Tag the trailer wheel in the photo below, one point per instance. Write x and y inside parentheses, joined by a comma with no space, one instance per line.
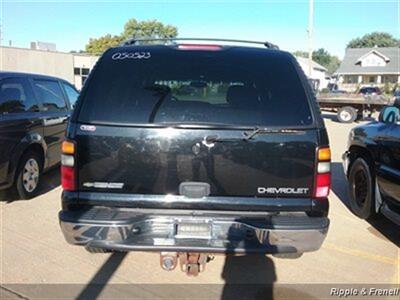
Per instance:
(347,114)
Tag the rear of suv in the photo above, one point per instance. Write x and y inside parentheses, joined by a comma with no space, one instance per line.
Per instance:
(196,149)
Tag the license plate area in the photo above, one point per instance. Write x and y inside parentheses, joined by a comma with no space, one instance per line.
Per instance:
(193,230)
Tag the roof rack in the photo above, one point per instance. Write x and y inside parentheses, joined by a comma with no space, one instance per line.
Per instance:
(168,41)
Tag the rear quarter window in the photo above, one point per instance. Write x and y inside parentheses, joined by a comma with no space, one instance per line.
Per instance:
(249,87)
(50,94)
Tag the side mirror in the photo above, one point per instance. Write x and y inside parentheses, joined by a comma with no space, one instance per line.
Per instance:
(390,114)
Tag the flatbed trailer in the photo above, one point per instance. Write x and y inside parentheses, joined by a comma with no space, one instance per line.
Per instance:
(352,107)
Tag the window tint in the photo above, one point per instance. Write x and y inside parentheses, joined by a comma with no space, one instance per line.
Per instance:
(72,94)
(50,94)
(15,97)
(251,87)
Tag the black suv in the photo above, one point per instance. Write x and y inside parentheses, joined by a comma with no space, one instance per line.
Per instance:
(33,119)
(372,164)
(190,149)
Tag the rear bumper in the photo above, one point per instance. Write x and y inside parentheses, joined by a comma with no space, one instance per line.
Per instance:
(226,232)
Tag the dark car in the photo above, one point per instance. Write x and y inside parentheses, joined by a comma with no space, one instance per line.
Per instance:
(370,90)
(33,118)
(372,165)
(241,164)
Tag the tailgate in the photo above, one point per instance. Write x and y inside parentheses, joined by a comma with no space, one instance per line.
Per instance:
(154,161)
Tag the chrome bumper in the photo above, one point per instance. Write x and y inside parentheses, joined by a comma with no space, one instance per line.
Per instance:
(138,231)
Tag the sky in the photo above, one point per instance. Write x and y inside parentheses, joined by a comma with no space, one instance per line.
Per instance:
(70,24)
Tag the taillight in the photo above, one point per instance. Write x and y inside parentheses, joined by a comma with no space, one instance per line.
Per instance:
(323,174)
(68,178)
(68,175)
(323,184)
(199,47)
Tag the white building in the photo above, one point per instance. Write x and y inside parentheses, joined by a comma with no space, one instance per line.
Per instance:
(73,67)
(318,72)
(369,66)
(83,64)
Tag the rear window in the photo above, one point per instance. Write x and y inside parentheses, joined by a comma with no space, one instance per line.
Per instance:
(160,85)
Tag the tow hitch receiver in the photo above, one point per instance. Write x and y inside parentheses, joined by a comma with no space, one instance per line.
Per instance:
(190,263)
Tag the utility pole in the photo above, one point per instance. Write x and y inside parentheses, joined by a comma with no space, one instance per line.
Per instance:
(310,36)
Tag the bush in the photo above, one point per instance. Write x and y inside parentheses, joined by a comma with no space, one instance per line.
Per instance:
(387,89)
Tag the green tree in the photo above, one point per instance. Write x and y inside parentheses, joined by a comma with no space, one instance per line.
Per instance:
(380,39)
(101,44)
(132,29)
(148,29)
(322,57)
(333,65)
(300,53)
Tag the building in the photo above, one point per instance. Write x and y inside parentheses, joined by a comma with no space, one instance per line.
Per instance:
(318,72)
(73,67)
(369,66)
(83,64)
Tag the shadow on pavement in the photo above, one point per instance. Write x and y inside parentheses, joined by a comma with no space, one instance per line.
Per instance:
(252,275)
(381,226)
(49,181)
(100,280)
(249,276)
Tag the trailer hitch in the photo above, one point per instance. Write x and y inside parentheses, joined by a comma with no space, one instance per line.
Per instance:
(190,263)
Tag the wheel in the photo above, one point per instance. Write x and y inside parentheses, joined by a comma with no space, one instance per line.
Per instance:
(28,175)
(361,189)
(347,114)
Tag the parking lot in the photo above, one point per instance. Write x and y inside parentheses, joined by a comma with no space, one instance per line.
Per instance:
(33,249)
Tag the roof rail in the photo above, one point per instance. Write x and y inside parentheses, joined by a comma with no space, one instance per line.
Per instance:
(134,41)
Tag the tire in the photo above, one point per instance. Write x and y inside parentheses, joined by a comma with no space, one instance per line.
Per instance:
(362,190)
(347,114)
(28,175)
